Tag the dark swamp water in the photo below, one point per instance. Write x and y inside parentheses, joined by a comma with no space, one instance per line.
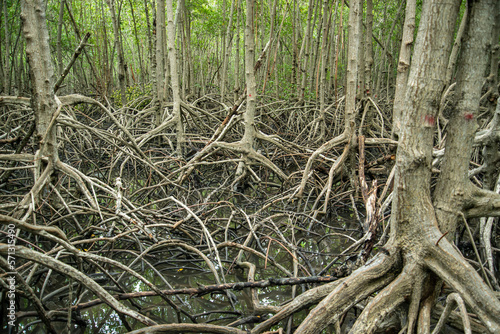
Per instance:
(317,248)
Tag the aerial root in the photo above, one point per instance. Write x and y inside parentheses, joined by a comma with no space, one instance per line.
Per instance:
(300,302)
(30,294)
(386,301)
(28,254)
(340,139)
(366,280)
(452,300)
(416,296)
(447,263)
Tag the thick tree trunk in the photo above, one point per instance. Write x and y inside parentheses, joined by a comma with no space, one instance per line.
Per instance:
(417,247)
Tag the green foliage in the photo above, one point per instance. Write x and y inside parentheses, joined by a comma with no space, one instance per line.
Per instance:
(133,92)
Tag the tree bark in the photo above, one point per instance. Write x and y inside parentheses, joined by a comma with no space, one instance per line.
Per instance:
(227,50)
(417,248)
(368,47)
(122,72)
(403,64)
(160,59)
(249,116)
(41,74)
(60,65)
(7,65)
(453,189)
(174,77)
(305,52)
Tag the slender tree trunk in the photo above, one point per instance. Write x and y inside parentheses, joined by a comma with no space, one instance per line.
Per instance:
(269,67)
(227,51)
(332,46)
(60,64)
(42,79)
(383,67)
(7,66)
(151,48)
(315,46)
(355,16)
(338,47)
(360,94)
(305,52)
(160,59)
(249,115)
(189,56)
(456,48)
(236,89)
(174,77)
(295,33)
(403,65)
(2,80)
(137,43)
(327,14)
(368,47)
(122,71)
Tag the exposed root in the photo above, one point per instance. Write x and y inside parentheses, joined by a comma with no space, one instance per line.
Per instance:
(359,285)
(452,300)
(449,265)
(341,139)
(28,254)
(386,301)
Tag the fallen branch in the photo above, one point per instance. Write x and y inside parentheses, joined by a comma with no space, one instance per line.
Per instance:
(203,290)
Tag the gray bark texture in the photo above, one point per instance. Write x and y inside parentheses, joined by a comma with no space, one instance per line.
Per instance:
(41,73)
(417,248)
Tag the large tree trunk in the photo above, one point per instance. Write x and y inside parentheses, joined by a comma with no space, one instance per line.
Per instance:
(418,249)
